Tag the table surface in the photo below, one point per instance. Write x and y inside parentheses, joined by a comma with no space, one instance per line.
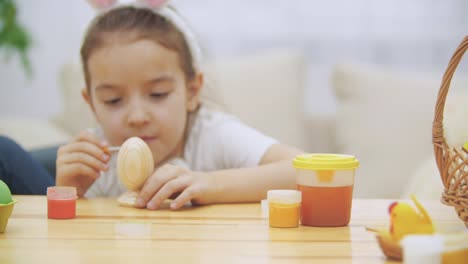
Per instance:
(104,232)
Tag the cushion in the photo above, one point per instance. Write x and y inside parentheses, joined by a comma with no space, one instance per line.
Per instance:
(76,114)
(384,118)
(263,90)
(32,133)
(425,182)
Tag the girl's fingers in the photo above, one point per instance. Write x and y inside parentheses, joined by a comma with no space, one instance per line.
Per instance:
(76,174)
(79,162)
(173,186)
(159,178)
(186,196)
(82,170)
(84,158)
(85,147)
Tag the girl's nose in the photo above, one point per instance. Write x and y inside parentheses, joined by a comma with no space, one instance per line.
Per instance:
(137,114)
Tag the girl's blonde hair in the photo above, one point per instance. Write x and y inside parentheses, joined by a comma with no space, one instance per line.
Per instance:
(129,23)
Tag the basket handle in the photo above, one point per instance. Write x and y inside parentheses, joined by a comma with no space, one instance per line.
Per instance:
(438,139)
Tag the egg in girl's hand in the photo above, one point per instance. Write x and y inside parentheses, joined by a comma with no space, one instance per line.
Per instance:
(5,194)
(134,165)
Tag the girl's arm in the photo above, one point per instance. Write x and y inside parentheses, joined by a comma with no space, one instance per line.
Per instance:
(251,184)
(224,186)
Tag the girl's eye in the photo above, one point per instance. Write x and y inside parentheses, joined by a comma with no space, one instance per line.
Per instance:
(159,95)
(112,101)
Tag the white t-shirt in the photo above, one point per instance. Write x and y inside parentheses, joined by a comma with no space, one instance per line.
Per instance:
(215,141)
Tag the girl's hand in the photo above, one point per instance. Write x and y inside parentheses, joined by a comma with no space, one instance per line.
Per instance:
(174,181)
(79,162)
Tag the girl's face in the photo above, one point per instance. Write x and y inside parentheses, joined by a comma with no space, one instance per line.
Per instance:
(139,89)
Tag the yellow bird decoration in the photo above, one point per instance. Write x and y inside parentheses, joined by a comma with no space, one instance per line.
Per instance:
(404,219)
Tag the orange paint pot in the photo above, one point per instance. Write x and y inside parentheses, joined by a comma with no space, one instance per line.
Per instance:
(326,182)
(61,202)
(326,206)
(284,208)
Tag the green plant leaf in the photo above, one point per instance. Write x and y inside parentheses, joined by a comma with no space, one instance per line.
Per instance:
(14,38)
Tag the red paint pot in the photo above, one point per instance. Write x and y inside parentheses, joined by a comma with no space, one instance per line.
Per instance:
(61,202)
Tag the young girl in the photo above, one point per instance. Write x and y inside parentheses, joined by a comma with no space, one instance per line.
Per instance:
(143,79)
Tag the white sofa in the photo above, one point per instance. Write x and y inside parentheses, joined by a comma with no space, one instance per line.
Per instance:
(384,117)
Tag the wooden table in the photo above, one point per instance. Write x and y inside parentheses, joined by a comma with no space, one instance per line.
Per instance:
(103,232)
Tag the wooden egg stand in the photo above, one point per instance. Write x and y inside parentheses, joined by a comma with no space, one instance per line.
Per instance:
(134,165)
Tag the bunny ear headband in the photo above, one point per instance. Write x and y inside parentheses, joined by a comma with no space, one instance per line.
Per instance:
(162,8)
(103,5)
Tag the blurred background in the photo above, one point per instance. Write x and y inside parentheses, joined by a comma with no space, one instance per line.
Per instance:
(357,77)
(408,35)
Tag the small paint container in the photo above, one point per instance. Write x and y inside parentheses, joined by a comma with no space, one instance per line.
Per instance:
(422,249)
(284,208)
(61,202)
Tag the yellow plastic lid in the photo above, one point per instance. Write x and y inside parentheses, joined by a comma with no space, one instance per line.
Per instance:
(325,161)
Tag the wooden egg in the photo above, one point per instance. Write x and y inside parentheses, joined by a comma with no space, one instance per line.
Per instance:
(134,163)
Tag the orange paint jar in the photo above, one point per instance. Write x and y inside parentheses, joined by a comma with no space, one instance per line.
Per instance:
(61,202)
(284,208)
(326,182)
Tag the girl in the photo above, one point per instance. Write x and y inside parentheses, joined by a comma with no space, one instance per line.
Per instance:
(143,78)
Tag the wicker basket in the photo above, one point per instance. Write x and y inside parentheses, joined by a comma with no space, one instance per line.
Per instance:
(452,162)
